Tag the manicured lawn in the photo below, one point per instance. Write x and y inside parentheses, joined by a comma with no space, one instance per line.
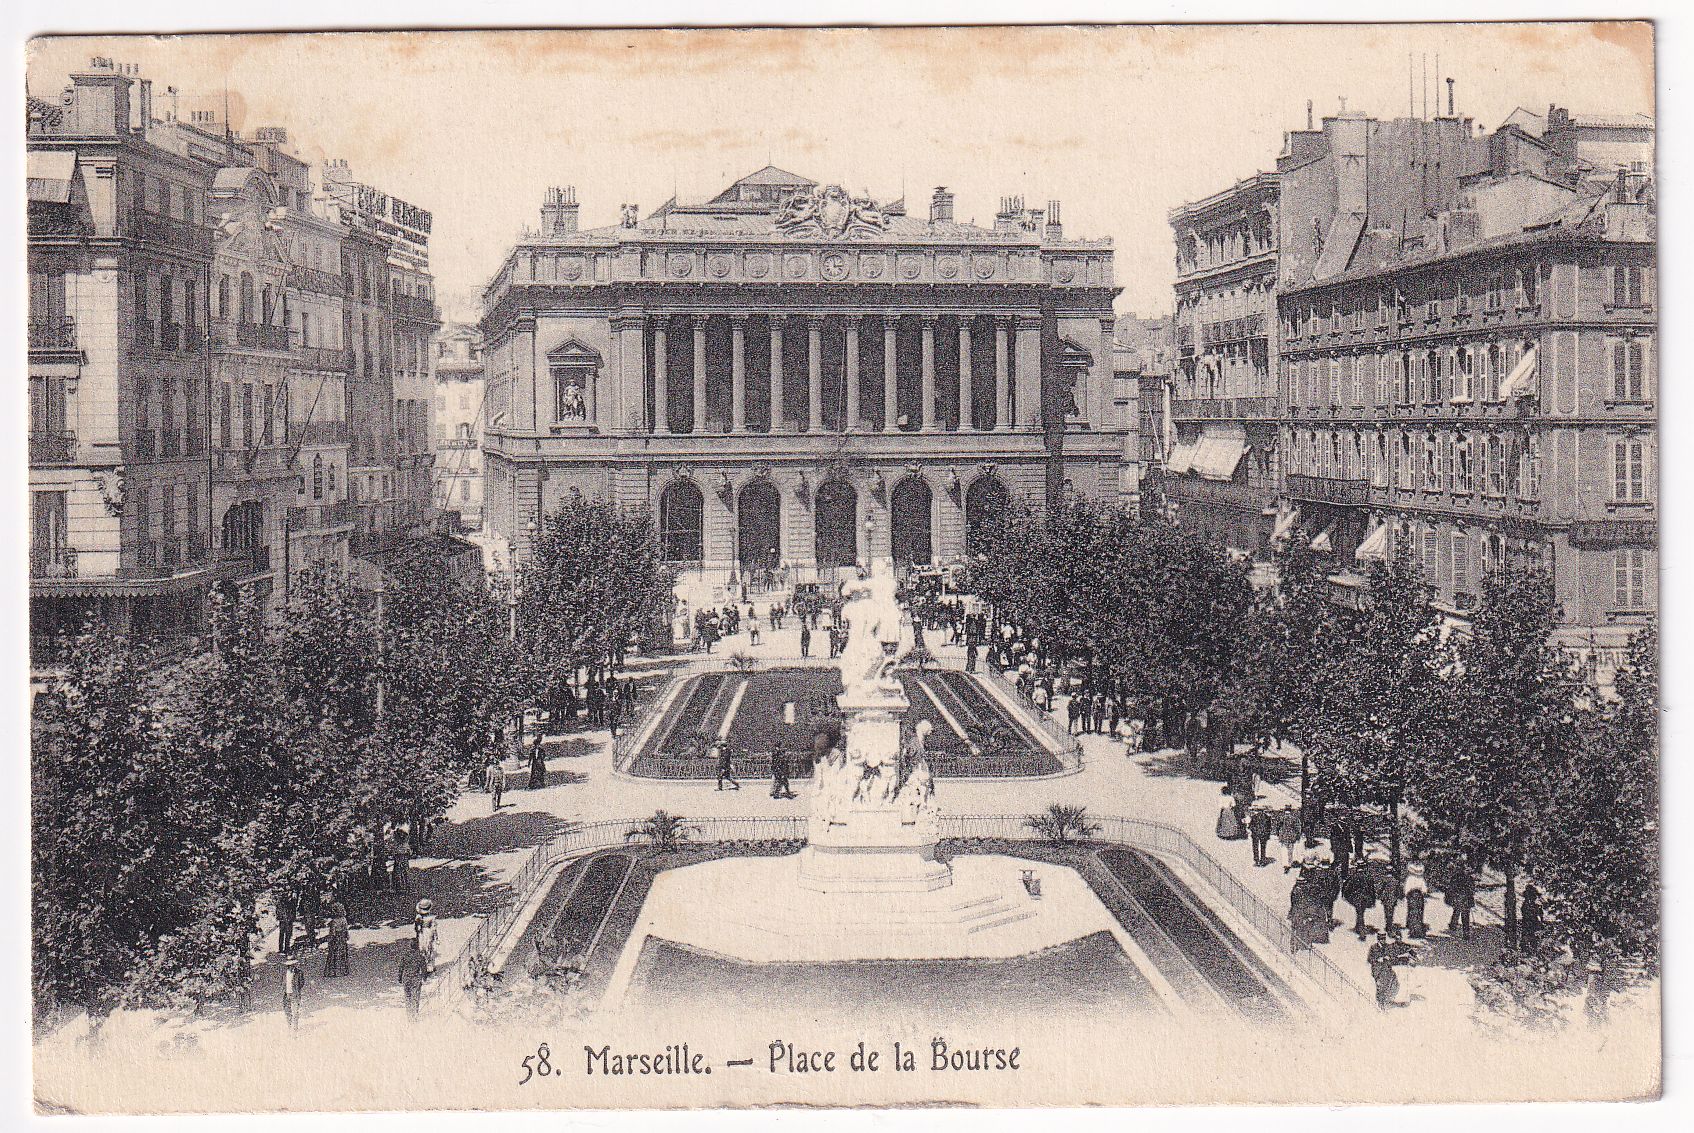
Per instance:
(1004,748)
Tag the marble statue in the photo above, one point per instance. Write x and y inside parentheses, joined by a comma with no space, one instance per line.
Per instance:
(873,639)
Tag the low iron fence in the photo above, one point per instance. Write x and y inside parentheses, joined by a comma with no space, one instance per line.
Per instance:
(454,982)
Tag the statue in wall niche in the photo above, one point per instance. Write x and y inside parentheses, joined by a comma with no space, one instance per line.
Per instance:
(573,406)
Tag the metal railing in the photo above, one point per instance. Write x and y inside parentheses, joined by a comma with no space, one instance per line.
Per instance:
(52,448)
(1329,489)
(311,516)
(163,229)
(1223,408)
(52,562)
(457,978)
(52,332)
(1071,745)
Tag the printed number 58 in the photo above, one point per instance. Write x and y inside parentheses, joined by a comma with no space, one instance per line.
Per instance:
(537,1064)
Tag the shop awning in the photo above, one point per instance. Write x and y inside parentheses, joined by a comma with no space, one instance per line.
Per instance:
(1522,379)
(1322,542)
(48,175)
(1181,457)
(1220,452)
(1375,545)
(1285,524)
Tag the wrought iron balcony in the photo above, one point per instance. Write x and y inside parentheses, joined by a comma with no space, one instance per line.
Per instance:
(52,332)
(1329,490)
(52,448)
(159,229)
(1223,408)
(52,562)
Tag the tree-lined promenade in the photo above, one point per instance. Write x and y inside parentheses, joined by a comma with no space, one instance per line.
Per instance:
(179,812)
(176,809)
(1483,747)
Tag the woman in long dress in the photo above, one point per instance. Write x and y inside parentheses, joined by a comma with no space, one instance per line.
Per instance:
(336,959)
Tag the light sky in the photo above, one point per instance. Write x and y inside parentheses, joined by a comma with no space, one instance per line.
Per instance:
(1120,124)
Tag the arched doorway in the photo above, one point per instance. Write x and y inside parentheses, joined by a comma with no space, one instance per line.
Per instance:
(835,513)
(681,522)
(987,502)
(909,509)
(759,517)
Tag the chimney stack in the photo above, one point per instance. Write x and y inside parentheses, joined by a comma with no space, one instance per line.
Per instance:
(1450,98)
(1055,228)
(146,106)
(1623,185)
(559,211)
(940,205)
(1308,114)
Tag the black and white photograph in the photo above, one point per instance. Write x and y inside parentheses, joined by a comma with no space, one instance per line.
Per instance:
(1008,566)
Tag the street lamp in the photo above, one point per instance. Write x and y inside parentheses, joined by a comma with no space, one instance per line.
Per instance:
(512,613)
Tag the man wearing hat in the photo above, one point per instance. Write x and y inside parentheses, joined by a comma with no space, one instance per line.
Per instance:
(1382,957)
(412,970)
(426,933)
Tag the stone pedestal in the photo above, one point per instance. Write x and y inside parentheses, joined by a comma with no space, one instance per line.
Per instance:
(874,823)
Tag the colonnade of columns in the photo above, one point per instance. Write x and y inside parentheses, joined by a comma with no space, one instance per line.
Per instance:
(1016,365)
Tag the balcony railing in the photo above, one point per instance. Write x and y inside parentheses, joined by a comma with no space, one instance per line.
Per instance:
(313,516)
(323,357)
(414,307)
(51,448)
(251,336)
(1328,490)
(52,562)
(248,560)
(168,230)
(311,279)
(158,558)
(1224,331)
(1223,408)
(52,332)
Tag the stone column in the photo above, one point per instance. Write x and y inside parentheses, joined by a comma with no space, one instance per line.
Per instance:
(927,409)
(776,374)
(699,373)
(738,373)
(852,422)
(1029,371)
(890,374)
(966,394)
(627,412)
(814,373)
(661,381)
(1002,374)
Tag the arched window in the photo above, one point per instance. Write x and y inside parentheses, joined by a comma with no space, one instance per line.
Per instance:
(318,477)
(987,502)
(246,297)
(331,478)
(681,514)
(223,297)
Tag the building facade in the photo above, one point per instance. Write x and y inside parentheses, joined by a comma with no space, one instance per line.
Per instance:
(120,258)
(789,373)
(208,337)
(1220,475)
(458,424)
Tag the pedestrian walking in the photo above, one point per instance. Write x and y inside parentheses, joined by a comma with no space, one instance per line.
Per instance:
(1341,842)
(1259,826)
(337,955)
(726,766)
(1136,732)
(1382,958)
(805,640)
(427,933)
(970,656)
(1288,833)
(1387,892)
(412,970)
(1359,890)
(1416,892)
(494,778)
(293,986)
(402,859)
(779,774)
(1461,895)
(537,769)
(752,630)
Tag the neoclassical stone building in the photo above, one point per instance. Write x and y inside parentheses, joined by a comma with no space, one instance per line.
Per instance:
(791,373)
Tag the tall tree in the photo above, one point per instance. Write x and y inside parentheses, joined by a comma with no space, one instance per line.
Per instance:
(1512,712)
(1597,852)
(1374,702)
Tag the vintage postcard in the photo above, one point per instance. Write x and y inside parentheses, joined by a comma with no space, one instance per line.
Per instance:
(1005,566)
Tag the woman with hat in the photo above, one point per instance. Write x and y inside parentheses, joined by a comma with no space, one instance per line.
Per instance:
(427,934)
(336,957)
